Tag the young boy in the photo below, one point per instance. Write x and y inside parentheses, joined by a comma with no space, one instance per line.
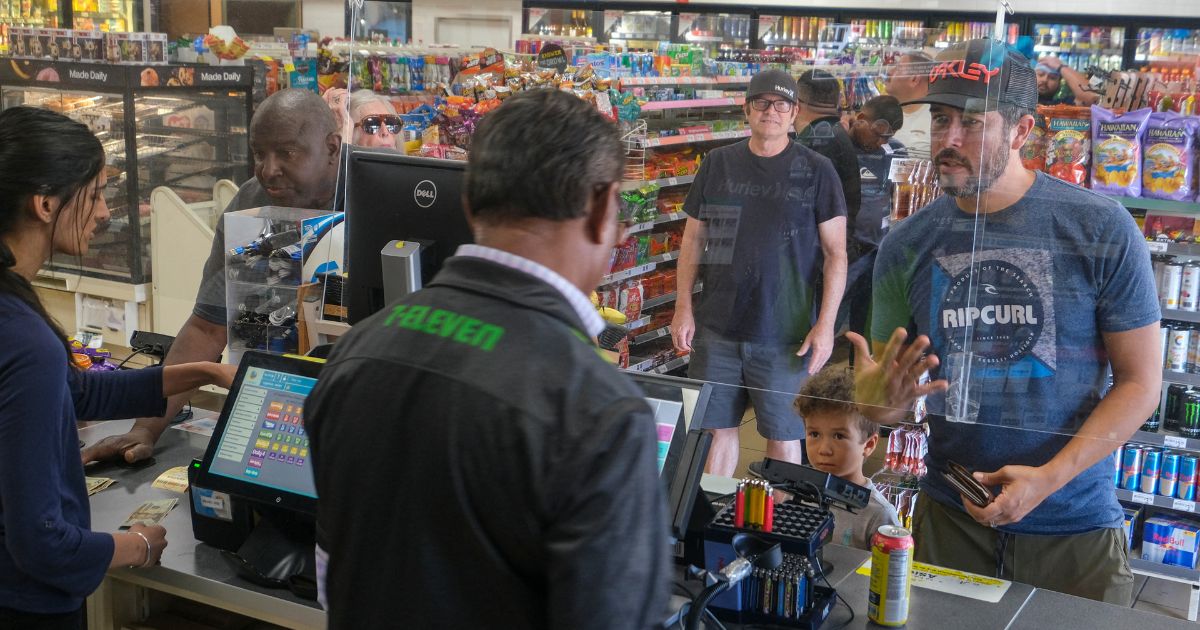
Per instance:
(839,439)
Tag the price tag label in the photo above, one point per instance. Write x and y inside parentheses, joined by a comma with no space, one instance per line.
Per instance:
(1156,247)
(672,181)
(1143,498)
(1174,441)
(1184,506)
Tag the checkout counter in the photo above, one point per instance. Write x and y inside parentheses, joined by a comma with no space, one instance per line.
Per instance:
(195,571)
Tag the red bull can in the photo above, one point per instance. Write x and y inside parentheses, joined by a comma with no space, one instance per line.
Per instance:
(1187,478)
(1131,468)
(1151,470)
(1168,481)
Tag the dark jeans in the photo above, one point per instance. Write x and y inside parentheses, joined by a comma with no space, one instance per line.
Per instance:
(21,620)
(855,308)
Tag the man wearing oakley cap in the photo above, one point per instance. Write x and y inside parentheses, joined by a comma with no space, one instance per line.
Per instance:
(1021,293)
(766,219)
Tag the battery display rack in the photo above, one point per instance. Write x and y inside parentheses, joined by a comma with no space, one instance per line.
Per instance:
(787,595)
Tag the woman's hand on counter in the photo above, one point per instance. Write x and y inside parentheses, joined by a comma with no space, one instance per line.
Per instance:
(141,546)
(134,446)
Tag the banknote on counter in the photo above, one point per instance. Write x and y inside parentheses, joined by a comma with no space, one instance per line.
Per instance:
(174,479)
(150,513)
(96,484)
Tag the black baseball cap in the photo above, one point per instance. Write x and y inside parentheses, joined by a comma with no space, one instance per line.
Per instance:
(778,82)
(980,75)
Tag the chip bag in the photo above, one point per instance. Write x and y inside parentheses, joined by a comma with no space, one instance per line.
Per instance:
(1169,162)
(1068,142)
(1117,151)
(1033,152)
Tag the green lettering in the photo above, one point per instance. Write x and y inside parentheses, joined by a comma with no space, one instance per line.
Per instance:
(466,332)
(397,311)
(453,320)
(488,336)
(414,317)
(434,322)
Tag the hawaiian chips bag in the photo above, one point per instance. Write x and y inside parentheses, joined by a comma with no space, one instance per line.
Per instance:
(1169,160)
(1117,151)
(1068,142)
(1033,152)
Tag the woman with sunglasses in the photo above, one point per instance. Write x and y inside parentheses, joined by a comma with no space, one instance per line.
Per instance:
(52,181)
(375,121)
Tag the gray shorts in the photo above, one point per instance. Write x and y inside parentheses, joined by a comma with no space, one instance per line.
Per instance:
(768,375)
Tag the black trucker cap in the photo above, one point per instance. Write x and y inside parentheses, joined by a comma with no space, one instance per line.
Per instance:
(980,75)
(776,82)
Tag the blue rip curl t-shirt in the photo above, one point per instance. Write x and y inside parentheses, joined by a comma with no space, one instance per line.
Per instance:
(1019,319)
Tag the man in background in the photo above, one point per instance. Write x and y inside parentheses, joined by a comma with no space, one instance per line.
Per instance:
(1060,84)
(818,127)
(766,234)
(908,80)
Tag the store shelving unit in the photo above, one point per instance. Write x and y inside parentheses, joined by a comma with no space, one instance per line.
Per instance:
(699,103)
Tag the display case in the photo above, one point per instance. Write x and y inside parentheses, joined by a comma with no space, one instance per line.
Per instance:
(714,30)
(1167,44)
(112,16)
(636,30)
(380,21)
(265,253)
(559,22)
(1080,46)
(184,127)
(28,13)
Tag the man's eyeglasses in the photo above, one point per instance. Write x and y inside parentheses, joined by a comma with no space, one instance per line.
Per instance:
(762,105)
(373,123)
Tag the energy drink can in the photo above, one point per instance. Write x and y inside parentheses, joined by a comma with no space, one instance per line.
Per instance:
(1174,410)
(1117,468)
(1168,291)
(1165,340)
(1189,423)
(1131,467)
(1189,293)
(891,576)
(1151,470)
(1186,487)
(1177,349)
(1151,425)
(1168,480)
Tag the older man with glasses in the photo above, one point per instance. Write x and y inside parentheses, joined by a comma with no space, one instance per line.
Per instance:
(374,120)
(766,224)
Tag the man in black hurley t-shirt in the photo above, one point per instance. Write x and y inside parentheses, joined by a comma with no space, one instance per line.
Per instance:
(765,217)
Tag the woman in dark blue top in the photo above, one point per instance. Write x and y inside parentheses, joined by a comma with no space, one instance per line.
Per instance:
(52,184)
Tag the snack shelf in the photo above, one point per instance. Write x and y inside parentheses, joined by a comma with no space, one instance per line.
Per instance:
(618,276)
(657,333)
(1160,205)
(667,298)
(668,218)
(1164,571)
(673,364)
(1184,316)
(638,323)
(665,258)
(1158,501)
(640,227)
(661,183)
(1175,249)
(1181,378)
(695,137)
(1169,440)
(642,81)
(697,103)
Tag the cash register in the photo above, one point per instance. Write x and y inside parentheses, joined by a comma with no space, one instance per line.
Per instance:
(253,494)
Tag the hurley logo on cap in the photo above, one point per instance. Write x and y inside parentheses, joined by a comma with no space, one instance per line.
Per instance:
(783,90)
(959,69)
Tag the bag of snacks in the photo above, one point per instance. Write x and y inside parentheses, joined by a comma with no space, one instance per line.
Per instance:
(1170,162)
(1068,142)
(1117,151)
(1033,152)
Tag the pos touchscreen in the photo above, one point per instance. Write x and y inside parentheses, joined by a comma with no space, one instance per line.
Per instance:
(259,449)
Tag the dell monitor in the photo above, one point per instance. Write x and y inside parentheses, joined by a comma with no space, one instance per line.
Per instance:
(390,196)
